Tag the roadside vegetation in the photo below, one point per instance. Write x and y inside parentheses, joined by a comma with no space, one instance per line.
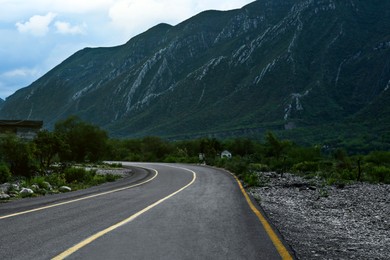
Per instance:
(54,161)
(63,157)
(249,157)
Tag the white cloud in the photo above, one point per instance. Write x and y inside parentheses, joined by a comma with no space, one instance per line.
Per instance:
(14,79)
(20,72)
(23,8)
(67,28)
(37,25)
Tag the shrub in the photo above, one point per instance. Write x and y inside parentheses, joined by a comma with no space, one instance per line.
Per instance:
(305,167)
(251,179)
(111,177)
(237,165)
(378,158)
(78,175)
(38,180)
(379,174)
(5,174)
(100,178)
(259,167)
(18,155)
(56,179)
(347,174)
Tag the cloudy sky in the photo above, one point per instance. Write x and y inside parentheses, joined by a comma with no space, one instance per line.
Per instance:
(36,35)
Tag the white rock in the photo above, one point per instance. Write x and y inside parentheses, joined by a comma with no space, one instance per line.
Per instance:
(4,196)
(35,187)
(16,187)
(26,192)
(64,189)
(4,187)
(47,185)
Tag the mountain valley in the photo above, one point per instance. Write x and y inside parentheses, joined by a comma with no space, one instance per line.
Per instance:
(310,70)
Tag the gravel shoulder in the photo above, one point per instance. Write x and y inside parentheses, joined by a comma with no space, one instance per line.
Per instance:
(327,222)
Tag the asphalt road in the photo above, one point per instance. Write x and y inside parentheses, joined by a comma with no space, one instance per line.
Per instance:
(166,211)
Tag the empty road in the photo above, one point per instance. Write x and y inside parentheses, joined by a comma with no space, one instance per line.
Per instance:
(162,211)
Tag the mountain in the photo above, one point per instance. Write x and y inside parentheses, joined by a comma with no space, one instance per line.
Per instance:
(1,102)
(283,65)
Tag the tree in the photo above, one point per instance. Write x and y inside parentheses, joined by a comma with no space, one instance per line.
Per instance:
(277,151)
(18,155)
(5,174)
(275,147)
(241,146)
(48,145)
(210,148)
(86,142)
(155,149)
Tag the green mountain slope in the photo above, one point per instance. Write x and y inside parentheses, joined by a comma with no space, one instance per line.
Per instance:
(274,64)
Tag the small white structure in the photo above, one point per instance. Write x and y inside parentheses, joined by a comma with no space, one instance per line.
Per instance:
(226,154)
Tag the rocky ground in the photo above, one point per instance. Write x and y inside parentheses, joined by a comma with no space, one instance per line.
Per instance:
(328,222)
(120,171)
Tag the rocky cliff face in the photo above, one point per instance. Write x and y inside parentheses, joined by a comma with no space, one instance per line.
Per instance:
(271,64)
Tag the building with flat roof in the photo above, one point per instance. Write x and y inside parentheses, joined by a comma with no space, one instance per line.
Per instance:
(26,129)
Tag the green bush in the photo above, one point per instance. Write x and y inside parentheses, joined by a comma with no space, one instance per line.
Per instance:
(347,174)
(79,175)
(56,179)
(326,166)
(99,179)
(5,174)
(250,179)
(305,167)
(259,167)
(38,180)
(378,158)
(379,174)
(111,177)
(237,166)
(18,155)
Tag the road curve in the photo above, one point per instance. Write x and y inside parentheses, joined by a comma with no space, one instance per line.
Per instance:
(166,212)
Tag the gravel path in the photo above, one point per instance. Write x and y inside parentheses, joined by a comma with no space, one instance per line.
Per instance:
(326,222)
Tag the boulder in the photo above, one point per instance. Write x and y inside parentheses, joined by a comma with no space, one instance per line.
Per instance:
(15,187)
(25,192)
(35,187)
(8,187)
(64,189)
(47,185)
(4,188)
(4,196)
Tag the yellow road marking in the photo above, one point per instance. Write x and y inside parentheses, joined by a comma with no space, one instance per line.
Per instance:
(129,219)
(83,198)
(283,252)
